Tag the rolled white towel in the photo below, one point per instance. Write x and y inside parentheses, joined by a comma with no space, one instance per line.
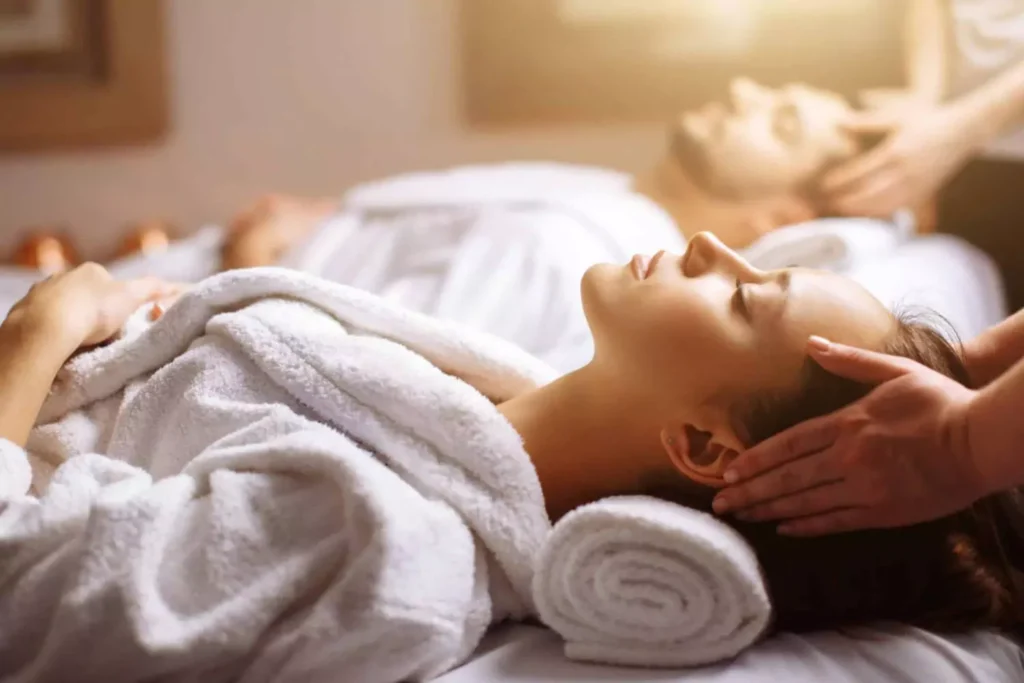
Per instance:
(638,581)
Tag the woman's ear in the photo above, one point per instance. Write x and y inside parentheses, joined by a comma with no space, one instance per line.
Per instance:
(698,455)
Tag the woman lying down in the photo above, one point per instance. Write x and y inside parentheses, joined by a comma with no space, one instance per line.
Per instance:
(299,482)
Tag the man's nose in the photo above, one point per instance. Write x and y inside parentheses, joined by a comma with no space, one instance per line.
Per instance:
(745,94)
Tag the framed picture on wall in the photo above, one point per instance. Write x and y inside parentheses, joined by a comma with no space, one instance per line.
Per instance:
(77,73)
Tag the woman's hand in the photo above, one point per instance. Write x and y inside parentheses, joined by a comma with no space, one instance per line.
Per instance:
(79,307)
(84,306)
(922,148)
(899,456)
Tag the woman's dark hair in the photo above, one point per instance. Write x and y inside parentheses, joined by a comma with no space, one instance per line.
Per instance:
(958,572)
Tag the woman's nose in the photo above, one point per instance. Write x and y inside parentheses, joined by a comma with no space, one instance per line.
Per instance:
(706,253)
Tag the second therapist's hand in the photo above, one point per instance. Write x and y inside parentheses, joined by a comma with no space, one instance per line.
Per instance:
(897,457)
(920,150)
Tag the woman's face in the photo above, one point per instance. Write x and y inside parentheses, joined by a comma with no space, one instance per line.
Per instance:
(705,330)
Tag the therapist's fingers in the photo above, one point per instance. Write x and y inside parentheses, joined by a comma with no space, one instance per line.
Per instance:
(817,501)
(878,195)
(805,438)
(876,121)
(851,175)
(808,472)
(860,365)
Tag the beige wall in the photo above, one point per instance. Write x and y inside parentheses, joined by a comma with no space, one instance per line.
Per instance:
(307,96)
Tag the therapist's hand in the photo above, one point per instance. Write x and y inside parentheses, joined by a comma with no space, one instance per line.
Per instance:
(897,457)
(920,150)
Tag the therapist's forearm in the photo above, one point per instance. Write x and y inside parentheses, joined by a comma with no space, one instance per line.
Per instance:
(31,353)
(995,431)
(925,48)
(993,107)
(995,350)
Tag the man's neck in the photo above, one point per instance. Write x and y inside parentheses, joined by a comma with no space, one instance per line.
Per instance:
(586,442)
(692,209)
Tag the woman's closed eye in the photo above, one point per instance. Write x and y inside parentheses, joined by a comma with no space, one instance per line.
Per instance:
(740,302)
(787,124)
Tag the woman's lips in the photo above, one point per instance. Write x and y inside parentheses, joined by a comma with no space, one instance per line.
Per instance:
(653,263)
(640,264)
(643,266)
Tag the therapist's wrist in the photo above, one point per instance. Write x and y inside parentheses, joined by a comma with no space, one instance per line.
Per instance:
(977,355)
(968,121)
(985,446)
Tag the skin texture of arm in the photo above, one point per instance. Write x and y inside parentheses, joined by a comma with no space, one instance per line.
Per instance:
(926,49)
(31,353)
(995,431)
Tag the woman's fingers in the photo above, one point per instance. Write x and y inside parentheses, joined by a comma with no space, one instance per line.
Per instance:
(143,290)
(802,474)
(879,195)
(851,175)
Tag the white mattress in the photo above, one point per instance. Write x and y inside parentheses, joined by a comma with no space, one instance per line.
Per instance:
(526,654)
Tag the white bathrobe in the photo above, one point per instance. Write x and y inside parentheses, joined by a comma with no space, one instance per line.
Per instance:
(281,480)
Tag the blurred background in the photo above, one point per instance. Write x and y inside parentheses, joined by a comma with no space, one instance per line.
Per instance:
(114,111)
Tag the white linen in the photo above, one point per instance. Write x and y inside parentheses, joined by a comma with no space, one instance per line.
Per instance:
(638,581)
(523,654)
(499,248)
(296,492)
(954,284)
(830,243)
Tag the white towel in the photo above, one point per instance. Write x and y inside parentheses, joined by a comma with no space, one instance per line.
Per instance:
(638,581)
(830,243)
(280,480)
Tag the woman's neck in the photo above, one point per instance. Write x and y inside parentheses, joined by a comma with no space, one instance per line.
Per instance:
(585,441)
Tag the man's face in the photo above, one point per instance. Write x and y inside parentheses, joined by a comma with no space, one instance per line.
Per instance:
(765,141)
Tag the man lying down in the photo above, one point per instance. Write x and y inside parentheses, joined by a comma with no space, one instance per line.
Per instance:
(502,248)
(287,479)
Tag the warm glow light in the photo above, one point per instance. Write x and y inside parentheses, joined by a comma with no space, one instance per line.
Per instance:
(601,11)
(617,11)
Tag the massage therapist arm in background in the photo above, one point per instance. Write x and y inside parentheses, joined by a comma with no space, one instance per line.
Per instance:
(918,447)
(77,308)
(927,142)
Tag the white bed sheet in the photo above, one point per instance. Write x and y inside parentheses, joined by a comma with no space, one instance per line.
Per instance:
(527,654)
(938,274)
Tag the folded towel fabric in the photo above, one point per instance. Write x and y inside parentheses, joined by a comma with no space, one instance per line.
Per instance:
(830,243)
(280,479)
(638,581)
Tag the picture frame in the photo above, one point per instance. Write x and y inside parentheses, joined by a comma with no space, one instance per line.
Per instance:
(81,73)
